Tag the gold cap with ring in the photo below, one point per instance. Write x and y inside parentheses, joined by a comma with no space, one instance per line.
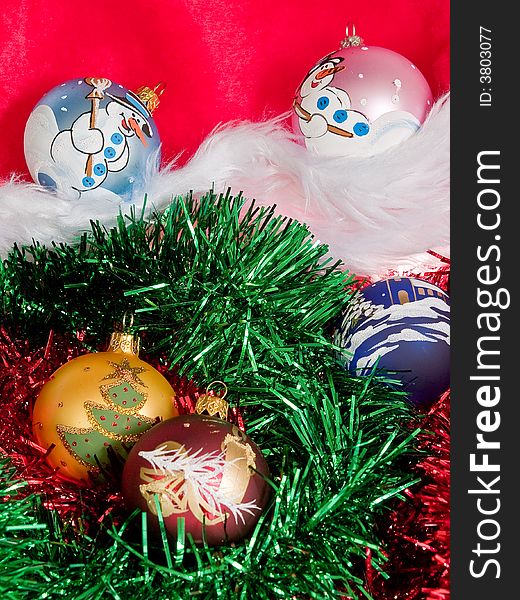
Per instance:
(122,339)
(150,97)
(351,39)
(213,404)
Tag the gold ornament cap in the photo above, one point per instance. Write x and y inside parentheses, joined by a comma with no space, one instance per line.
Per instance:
(150,97)
(351,39)
(213,404)
(123,340)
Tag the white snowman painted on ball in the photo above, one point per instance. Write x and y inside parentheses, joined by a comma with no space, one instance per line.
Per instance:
(91,153)
(325,110)
(76,143)
(325,113)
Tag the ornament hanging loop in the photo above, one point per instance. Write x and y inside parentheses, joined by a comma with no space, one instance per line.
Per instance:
(213,404)
(128,321)
(213,383)
(351,39)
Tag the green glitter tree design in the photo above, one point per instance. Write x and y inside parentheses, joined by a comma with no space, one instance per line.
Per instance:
(116,423)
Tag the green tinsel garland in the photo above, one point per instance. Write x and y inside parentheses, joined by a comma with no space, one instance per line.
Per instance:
(245,297)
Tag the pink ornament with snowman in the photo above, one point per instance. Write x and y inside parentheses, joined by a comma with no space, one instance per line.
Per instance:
(360,100)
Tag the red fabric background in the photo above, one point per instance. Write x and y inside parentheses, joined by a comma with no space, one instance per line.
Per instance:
(221,60)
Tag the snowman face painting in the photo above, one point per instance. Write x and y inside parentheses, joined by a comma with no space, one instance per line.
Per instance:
(132,119)
(332,126)
(321,75)
(105,147)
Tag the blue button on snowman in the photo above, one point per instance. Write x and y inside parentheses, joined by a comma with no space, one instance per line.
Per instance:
(91,137)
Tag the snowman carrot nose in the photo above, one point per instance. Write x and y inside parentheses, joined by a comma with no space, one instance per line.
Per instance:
(137,130)
(326,72)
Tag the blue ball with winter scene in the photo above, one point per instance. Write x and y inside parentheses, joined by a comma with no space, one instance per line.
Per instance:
(92,137)
(400,327)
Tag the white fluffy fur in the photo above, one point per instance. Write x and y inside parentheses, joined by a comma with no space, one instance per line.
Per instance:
(376,214)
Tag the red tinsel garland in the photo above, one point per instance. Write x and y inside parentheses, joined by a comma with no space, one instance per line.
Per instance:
(418,530)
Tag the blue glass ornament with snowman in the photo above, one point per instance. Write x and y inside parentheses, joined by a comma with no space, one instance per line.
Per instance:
(93,137)
(401,327)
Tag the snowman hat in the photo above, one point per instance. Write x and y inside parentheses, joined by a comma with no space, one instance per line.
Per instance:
(131,101)
(329,58)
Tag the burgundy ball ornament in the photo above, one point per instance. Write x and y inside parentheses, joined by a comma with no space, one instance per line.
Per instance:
(202,469)
(402,325)
(360,100)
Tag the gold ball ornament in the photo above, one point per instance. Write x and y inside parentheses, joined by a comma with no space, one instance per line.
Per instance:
(97,402)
